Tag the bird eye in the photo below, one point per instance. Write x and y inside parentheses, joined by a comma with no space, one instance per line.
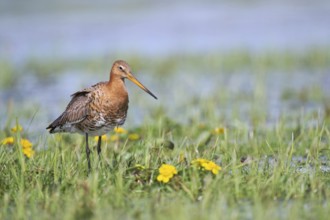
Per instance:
(121,67)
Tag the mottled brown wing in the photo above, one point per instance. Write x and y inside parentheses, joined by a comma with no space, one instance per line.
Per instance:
(75,112)
(77,109)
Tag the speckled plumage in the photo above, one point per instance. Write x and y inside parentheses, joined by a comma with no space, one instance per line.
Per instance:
(95,110)
(98,109)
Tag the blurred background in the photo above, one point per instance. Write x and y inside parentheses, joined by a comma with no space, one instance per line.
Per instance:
(214,62)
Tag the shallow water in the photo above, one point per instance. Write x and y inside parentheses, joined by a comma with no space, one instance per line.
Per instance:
(181,98)
(67,29)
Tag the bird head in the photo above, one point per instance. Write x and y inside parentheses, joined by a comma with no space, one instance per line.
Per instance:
(122,69)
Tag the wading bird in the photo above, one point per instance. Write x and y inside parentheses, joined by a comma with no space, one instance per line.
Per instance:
(96,110)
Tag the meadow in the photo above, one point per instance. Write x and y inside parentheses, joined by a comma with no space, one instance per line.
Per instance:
(235,152)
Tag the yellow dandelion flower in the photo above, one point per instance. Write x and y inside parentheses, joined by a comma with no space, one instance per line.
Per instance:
(166,172)
(114,137)
(199,161)
(26,143)
(133,137)
(162,178)
(103,138)
(120,130)
(211,166)
(7,140)
(28,152)
(218,131)
(207,165)
(17,128)
(27,148)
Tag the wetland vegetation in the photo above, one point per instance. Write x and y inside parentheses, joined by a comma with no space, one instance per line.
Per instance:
(259,121)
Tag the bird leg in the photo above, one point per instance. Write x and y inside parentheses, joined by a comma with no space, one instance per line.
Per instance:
(88,151)
(99,146)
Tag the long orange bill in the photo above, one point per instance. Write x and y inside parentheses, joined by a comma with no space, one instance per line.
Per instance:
(134,80)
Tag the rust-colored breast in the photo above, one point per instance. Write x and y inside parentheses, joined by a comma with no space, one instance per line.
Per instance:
(107,108)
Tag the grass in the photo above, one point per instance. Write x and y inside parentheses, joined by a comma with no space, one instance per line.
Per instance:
(275,171)
(258,179)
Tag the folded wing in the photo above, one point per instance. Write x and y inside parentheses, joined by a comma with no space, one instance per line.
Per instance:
(75,112)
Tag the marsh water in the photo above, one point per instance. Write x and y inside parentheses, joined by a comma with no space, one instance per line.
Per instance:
(67,29)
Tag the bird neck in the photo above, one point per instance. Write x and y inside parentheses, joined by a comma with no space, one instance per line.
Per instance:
(117,93)
(115,79)
(116,85)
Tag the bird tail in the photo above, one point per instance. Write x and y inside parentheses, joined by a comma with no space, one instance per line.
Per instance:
(55,126)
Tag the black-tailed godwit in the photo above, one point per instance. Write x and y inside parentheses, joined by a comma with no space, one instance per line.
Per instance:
(96,110)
